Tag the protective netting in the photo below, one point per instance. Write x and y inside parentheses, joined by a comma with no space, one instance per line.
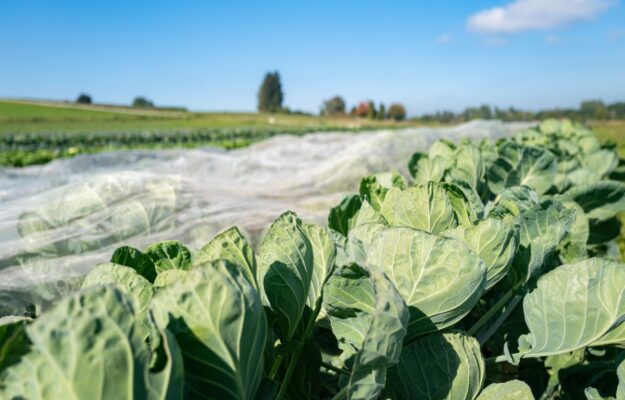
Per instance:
(59,220)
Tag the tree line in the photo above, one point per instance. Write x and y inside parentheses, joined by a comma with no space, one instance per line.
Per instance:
(587,110)
(137,102)
(271,96)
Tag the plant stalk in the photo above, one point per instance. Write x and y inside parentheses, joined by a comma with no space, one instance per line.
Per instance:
(295,357)
(494,309)
(483,337)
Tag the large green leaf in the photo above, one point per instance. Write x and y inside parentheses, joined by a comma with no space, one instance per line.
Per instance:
(367,215)
(169,254)
(511,390)
(439,278)
(369,319)
(349,300)
(574,246)
(382,344)
(131,257)
(601,201)
(218,320)
(232,246)
(127,279)
(425,207)
(512,201)
(428,169)
(286,270)
(519,165)
(468,165)
(543,227)
(324,254)
(168,277)
(574,306)
(373,188)
(341,216)
(439,366)
(496,243)
(87,347)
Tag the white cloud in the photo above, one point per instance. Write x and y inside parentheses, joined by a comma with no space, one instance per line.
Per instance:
(526,15)
(552,39)
(445,38)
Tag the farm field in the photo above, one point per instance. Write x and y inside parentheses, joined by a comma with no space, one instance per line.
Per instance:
(472,253)
(37,132)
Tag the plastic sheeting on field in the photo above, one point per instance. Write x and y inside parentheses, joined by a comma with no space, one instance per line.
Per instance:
(59,220)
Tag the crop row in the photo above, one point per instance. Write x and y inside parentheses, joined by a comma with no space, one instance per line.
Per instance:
(492,274)
(22,149)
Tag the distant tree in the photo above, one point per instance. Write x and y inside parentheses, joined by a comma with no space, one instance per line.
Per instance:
(334,106)
(142,102)
(270,95)
(363,109)
(83,99)
(371,112)
(353,111)
(617,110)
(397,112)
(382,111)
(593,109)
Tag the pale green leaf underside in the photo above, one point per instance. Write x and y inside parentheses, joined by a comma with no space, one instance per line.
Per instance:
(218,320)
(495,242)
(425,207)
(129,281)
(232,246)
(382,343)
(439,278)
(574,306)
(86,347)
(601,201)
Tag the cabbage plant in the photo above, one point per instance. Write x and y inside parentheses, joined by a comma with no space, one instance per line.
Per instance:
(492,273)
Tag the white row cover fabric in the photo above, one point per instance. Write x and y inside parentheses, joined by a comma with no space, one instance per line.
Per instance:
(59,220)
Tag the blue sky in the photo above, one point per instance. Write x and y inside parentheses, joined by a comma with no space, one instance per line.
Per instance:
(212,55)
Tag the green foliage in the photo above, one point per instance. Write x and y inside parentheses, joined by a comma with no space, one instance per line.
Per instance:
(142,102)
(334,106)
(397,112)
(83,99)
(270,94)
(371,111)
(415,291)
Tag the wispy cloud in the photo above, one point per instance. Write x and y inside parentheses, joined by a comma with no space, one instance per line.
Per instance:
(616,34)
(445,38)
(552,39)
(526,15)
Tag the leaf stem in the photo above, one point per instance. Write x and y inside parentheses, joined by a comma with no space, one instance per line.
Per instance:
(483,337)
(335,369)
(275,366)
(341,395)
(494,309)
(495,360)
(295,356)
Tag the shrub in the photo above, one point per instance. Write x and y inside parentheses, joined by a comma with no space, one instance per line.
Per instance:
(83,99)
(397,112)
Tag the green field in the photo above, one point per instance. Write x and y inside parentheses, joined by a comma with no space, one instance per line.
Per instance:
(35,132)
(613,131)
(38,132)
(33,117)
